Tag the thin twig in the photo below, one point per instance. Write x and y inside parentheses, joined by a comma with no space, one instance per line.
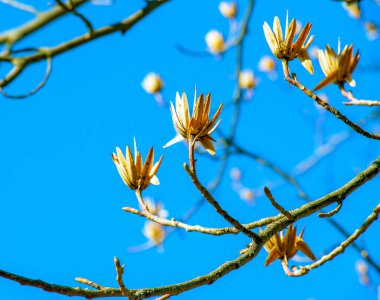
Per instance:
(90,283)
(342,247)
(332,212)
(119,278)
(72,9)
(197,228)
(37,88)
(276,205)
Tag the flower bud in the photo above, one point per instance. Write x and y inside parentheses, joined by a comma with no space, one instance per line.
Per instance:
(267,64)
(247,80)
(228,9)
(215,42)
(152,83)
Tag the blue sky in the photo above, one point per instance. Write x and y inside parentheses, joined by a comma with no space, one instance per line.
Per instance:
(61,195)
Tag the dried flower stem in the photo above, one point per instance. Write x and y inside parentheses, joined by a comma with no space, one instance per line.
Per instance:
(293,80)
(89,283)
(332,212)
(119,278)
(191,155)
(341,248)
(141,201)
(276,205)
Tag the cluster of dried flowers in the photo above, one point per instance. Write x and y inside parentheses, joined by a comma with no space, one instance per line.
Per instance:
(198,127)
(337,67)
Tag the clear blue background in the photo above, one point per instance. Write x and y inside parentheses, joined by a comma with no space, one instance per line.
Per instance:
(61,195)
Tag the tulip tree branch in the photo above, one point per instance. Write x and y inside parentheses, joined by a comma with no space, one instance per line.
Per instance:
(250,253)
(302,194)
(293,80)
(14,35)
(341,248)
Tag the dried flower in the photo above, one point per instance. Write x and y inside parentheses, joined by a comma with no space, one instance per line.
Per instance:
(235,174)
(362,270)
(371,30)
(134,174)
(228,9)
(215,42)
(338,68)
(152,83)
(267,64)
(198,128)
(247,194)
(284,248)
(154,232)
(247,80)
(285,48)
(352,9)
